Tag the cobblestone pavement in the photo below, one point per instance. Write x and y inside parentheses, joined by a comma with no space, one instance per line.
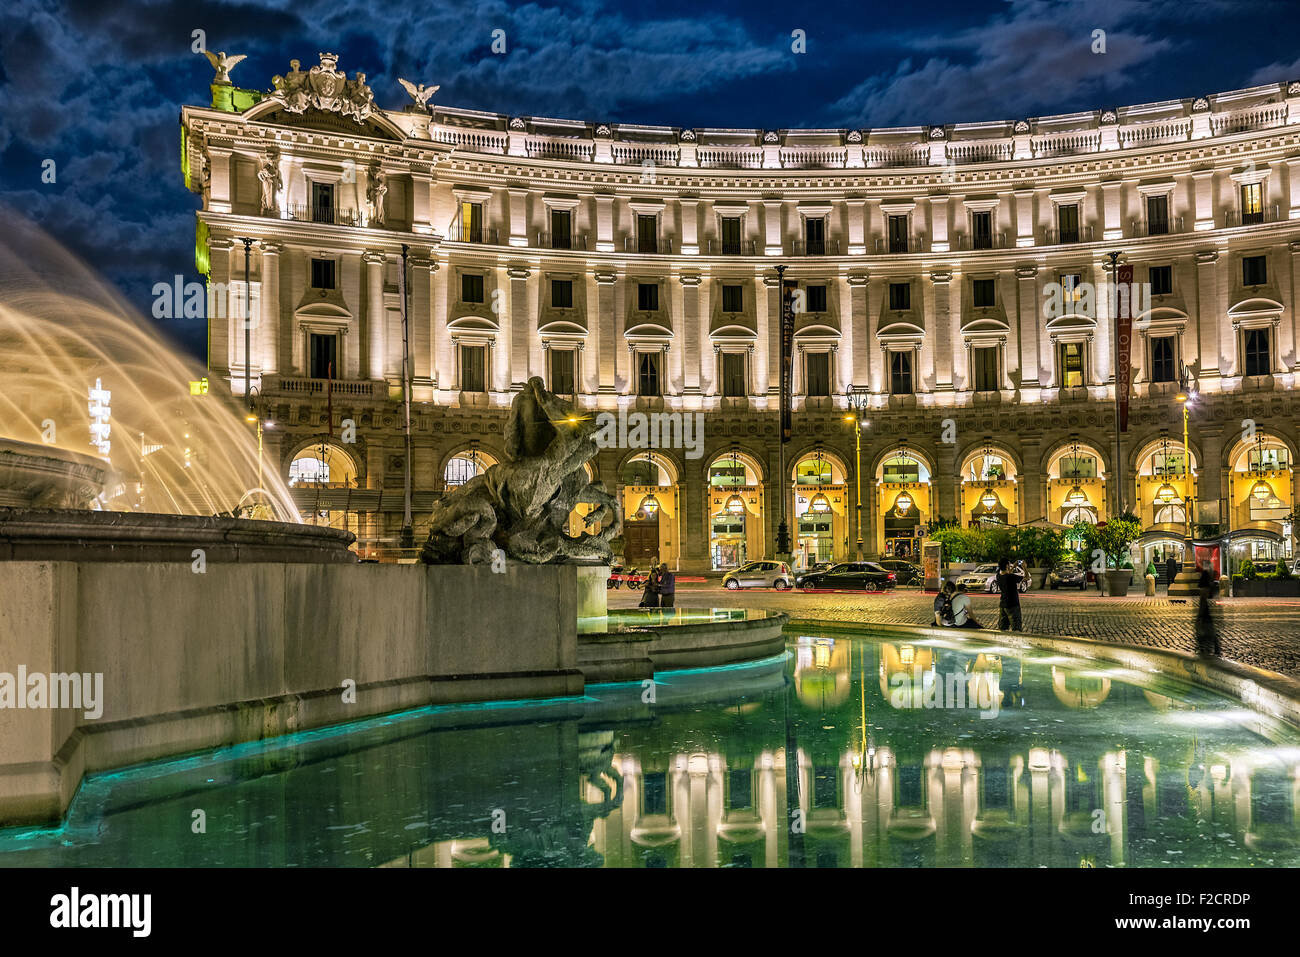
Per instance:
(1261,632)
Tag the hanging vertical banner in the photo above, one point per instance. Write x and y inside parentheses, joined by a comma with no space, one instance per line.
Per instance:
(788,288)
(1124,298)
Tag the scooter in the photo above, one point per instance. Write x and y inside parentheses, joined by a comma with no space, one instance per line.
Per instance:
(615,578)
(635,580)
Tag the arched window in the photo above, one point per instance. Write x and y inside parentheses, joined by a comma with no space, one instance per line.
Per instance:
(322,465)
(461,468)
(1171,515)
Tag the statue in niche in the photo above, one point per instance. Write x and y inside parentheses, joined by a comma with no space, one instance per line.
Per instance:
(376,190)
(522,505)
(268,174)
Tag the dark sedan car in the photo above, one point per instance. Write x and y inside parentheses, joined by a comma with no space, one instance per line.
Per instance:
(850,576)
(905,573)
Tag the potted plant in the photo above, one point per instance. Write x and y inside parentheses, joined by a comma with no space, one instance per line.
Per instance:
(1110,542)
(1282,584)
(1244,580)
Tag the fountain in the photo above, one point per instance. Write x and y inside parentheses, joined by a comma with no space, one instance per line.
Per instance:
(110,446)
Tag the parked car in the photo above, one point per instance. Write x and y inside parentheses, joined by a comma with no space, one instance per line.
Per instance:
(1068,575)
(977,577)
(906,573)
(850,576)
(760,574)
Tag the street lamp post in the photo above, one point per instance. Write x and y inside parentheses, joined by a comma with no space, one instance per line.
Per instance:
(255,416)
(248,319)
(408,530)
(783,548)
(857,401)
(1186,395)
(1114,258)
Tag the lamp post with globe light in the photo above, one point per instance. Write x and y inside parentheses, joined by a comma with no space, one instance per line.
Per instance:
(857,401)
(1186,397)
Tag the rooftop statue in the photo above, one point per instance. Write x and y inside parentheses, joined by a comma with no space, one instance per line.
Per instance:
(324,87)
(522,505)
(223,65)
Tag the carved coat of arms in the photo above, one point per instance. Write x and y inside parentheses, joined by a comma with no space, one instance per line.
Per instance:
(324,87)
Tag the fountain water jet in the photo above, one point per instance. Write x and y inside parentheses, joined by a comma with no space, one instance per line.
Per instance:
(62,332)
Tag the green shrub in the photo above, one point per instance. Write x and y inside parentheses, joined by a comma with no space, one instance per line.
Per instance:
(1247,570)
(1283,571)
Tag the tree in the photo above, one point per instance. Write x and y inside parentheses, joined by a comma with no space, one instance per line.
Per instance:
(1113,540)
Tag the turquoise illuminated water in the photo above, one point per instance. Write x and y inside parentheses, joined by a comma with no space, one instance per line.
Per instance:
(950,754)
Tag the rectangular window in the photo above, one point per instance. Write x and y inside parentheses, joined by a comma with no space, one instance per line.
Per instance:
(814,234)
(898,234)
(322,202)
(562,371)
(1070,361)
(1067,219)
(733,298)
(900,373)
(471,288)
(731,235)
(323,356)
(561,229)
(817,366)
(1252,203)
(1162,359)
(647,233)
(982,293)
(1258,353)
(1254,270)
(322,273)
(647,296)
(1071,291)
(733,375)
(826,787)
(1157,215)
(741,789)
(473,366)
(900,295)
(647,373)
(1161,279)
(816,298)
(471,222)
(981,230)
(562,293)
(985,361)
(654,793)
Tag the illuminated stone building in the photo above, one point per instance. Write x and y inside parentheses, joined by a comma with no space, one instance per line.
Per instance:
(944,274)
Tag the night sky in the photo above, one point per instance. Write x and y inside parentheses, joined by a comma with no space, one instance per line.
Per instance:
(98,86)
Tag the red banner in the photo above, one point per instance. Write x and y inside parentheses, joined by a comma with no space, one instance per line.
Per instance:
(788,289)
(1124,296)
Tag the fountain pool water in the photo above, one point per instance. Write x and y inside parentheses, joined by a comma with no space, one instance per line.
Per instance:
(74,357)
(1048,760)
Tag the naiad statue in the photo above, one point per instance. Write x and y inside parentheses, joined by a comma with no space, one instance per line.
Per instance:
(522,505)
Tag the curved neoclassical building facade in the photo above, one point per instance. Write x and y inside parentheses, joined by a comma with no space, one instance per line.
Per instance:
(951,282)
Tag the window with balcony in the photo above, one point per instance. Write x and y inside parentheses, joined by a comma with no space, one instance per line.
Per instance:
(1162,359)
(1067,222)
(981,230)
(561,229)
(1252,203)
(562,293)
(1258,350)
(1254,270)
(1070,364)
(897,234)
(471,288)
(900,295)
(984,359)
(473,368)
(982,293)
(816,298)
(817,371)
(731,235)
(1157,215)
(562,371)
(471,222)
(322,273)
(1161,279)
(814,234)
(322,202)
(733,298)
(322,355)
(647,373)
(900,373)
(733,375)
(647,233)
(647,296)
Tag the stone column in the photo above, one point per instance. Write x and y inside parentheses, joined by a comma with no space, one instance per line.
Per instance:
(268,337)
(1204,180)
(1024,217)
(856,350)
(774,244)
(518,326)
(690,326)
(945,336)
(1112,222)
(421,319)
(773,385)
(606,357)
(690,224)
(518,217)
(220,323)
(857,226)
(1034,371)
(421,203)
(604,224)
(376,317)
(219,169)
(939,224)
(1208,318)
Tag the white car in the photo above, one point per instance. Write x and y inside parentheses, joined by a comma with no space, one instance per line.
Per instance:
(978,577)
(764,574)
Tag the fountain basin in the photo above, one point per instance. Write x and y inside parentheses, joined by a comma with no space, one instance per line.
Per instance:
(45,476)
(635,644)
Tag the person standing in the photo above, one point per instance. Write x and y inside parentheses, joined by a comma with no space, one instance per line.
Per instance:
(667,587)
(651,597)
(1009,603)
(1172,568)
